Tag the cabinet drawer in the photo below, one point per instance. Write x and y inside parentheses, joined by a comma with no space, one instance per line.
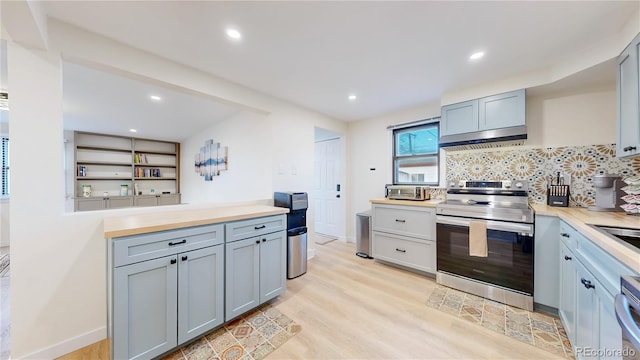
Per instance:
(602,265)
(239,230)
(568,235)
(405,220)
(404,251)
(132,249)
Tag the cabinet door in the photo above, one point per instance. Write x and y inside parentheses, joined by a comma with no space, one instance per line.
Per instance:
(546,266)
(459,118)
(144,308)
(273,267)
(89,204)
(145,200)
(242,276)
(119,202)
(502,110)
(169,199)
(200,291)
(568,287)
(587,318)
(628,82)
(610,333)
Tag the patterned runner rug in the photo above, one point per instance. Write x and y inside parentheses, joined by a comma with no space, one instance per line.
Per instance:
(534,328)
(250,337)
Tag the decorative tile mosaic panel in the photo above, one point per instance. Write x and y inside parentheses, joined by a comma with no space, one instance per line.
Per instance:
(537,329)
(537,164)
(250,337)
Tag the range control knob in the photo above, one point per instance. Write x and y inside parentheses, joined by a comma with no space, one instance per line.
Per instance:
(506,184)
(452,184)
(461,183)
(519,185)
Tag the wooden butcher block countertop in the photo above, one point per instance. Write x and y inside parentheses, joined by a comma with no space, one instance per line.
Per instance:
(581,218)
(183,216)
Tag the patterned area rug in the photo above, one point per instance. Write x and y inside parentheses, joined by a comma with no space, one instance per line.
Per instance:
(250,337)
(534,328)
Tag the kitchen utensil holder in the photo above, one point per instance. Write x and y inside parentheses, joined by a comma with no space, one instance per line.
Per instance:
(558,195)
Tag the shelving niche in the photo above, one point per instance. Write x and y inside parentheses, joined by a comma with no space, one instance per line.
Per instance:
(149,168)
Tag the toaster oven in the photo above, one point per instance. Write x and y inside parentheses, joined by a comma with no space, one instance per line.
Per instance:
(406,192)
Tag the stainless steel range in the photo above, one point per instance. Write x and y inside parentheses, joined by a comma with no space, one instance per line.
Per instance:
(500,209)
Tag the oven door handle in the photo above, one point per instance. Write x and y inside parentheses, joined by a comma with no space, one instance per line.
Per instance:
(626,321)
(491,225)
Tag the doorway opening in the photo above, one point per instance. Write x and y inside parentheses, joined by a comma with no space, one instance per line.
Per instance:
(329,193)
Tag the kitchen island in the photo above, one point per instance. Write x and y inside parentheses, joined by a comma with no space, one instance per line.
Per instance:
(178,274)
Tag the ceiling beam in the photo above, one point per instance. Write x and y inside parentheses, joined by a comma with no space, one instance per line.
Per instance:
(24,22)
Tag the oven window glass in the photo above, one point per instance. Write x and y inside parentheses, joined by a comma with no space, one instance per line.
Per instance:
(509,263)
(415,155)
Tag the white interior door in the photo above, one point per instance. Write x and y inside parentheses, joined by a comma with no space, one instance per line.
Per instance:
(328,193)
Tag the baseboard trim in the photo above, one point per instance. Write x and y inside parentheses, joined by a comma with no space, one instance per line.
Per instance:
(69,345)
(311,253)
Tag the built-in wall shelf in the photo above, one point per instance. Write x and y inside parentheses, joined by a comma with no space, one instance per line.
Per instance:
(111,166)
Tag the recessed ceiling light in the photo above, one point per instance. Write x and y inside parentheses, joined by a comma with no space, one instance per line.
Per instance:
(234,34)
(477,55)
(352,97)
(133,130)
(155,97)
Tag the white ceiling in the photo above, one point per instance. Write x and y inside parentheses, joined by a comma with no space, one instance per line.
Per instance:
(392,54)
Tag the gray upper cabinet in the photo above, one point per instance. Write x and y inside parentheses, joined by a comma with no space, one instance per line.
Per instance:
(459,118)
(502,110)
(628,93)
(492,112)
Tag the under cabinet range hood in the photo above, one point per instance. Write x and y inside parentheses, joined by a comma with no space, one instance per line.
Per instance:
(509,136)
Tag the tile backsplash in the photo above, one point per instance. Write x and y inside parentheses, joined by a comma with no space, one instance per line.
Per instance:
(537,164)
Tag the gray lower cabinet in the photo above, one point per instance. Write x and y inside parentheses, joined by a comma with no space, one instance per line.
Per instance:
(144,309)
(589,279)
(255,266)
(101,203)
(567,302)
(545,287)
(167,288)
(156,200)
(404,235)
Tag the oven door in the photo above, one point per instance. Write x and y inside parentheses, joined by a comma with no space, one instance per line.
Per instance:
(628,314)
(509,263)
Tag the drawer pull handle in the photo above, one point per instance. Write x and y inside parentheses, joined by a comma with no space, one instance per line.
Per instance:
(184,258)
(629,148)
(402,251)
(260,227)
(567,257)
(587,283)
(258,241)
(564,235)
(173,261)
(400,221)
(264,240)
(183,241)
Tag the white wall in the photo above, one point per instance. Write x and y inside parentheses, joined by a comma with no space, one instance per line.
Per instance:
(370,146)
(247,137)
(58,294)
(583,116)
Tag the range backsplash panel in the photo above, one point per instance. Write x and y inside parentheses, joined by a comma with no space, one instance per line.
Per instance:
(537,164)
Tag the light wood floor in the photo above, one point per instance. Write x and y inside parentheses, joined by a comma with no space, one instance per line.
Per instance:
(353,308)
